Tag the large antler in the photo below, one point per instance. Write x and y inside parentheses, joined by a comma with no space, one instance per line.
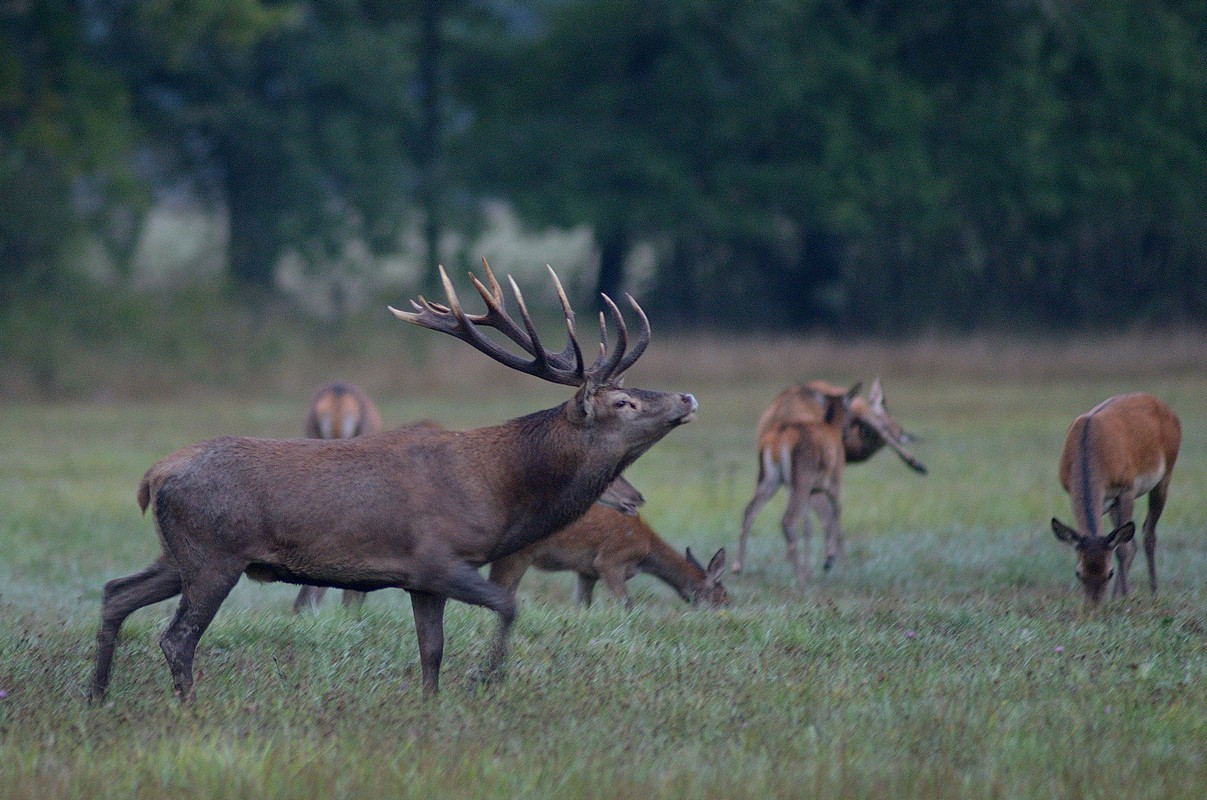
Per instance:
(566,367)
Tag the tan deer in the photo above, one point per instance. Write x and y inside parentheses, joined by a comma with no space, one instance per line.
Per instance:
(871,428)
(418,508)
(605,543)
(338,410)
(1122,449)
(808,458)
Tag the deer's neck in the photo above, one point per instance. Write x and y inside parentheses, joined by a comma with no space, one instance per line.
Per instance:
(549,476)
(664,563)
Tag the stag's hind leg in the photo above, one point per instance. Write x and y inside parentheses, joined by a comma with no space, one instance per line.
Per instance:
(201,596)
(124,596)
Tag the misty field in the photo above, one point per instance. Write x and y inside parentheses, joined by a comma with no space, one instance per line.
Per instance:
(949,656)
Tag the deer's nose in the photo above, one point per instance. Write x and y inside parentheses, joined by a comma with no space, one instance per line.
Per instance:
(690,400)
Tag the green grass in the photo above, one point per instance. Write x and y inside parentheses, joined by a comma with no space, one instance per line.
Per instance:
(950,656)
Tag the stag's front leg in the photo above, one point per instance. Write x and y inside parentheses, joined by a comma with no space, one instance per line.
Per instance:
(1121,512)
(428,610)
(468,586)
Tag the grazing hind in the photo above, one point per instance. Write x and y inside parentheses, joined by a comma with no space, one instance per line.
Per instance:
(605,543)
(1122,449)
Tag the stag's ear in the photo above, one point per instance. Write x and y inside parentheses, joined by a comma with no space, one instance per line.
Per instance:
(876,395)
(584,401)
(1121,535)
(851,394)
(1064,533)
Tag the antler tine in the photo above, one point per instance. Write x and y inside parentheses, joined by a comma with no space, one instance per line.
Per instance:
(643,338)
(452,319)
(539,354)
(603,368)
(496,315)
(572,347)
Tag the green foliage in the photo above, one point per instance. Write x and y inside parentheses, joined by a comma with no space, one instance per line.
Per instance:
(948,657)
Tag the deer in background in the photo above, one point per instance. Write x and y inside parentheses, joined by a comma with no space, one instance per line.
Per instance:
(418,508)
(337,410)
(605,543)
(870,428)
(808,458)
(1122,449)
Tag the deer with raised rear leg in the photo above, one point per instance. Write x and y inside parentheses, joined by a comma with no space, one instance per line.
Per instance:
(808,458)
(605,543)
(418,508)
(1122,449)
(337,410)
(871,428)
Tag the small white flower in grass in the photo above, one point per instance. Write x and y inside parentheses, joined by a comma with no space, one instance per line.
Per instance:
(911,633)
(1058,649)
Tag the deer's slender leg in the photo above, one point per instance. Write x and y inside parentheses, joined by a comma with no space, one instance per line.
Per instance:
(584,587)
(829,512)
(768,483)
(428,610)
(1156,504)
(309,598)
(1121,512)
(122,597)
(353,599)
(796,515)
(200,599)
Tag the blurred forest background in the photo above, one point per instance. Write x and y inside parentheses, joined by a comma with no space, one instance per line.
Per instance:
(178,176)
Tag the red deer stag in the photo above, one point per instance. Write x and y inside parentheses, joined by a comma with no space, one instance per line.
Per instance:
(1118,451)
(871,428)
(337,410)
(808,457)
(604,543)
(418,508)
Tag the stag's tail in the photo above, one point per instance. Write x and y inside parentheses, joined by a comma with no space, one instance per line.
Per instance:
(161,470)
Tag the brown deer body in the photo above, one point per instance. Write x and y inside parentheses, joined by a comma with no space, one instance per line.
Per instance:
(418,508)
(605,543)
(1122,449)
(338,410)
(808,458)
(871,428)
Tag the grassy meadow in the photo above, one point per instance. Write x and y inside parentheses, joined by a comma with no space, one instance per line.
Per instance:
(949,656)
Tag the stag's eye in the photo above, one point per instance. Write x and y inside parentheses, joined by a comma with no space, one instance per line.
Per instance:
(622,403)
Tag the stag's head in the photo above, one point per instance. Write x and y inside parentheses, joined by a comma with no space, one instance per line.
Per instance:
(1094,555)
(619,421)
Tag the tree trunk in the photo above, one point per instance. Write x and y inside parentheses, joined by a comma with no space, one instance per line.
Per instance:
(613,248)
